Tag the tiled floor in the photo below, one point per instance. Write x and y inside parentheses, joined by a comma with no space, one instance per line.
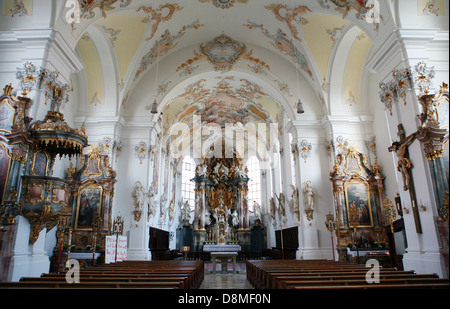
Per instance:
(225,280)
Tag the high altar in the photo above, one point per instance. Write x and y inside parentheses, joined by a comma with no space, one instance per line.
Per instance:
(221,215)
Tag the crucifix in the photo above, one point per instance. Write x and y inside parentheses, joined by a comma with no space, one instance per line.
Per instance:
(404,167)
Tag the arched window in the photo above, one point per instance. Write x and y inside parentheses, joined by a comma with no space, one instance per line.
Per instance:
(187,186)
(254,184)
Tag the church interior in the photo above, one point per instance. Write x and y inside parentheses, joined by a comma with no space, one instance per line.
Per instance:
(220,138)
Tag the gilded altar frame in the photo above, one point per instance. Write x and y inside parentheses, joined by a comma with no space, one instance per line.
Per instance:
(356,182)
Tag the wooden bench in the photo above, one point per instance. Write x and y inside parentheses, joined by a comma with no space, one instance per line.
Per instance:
(318,274)
(90,285)
(362,282)
(135,274)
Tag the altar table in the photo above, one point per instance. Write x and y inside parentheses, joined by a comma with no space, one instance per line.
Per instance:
(221,248)
(224,257)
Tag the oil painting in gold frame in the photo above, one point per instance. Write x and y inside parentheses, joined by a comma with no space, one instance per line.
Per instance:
(89,204)
(357,195)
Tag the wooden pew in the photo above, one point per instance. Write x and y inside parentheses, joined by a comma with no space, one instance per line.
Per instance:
(405,282)
(132,274)
(89,285)
(318,274)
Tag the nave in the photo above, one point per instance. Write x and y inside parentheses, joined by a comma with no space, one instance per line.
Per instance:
(272,129)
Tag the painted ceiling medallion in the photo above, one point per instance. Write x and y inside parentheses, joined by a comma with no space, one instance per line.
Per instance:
(224,4)
(223,52)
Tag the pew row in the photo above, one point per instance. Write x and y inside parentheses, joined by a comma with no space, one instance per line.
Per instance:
(128,274)
(325,274)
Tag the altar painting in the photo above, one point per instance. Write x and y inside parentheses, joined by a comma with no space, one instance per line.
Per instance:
(40,162)
(4,168)
(357,195)
(89,204)
(6,116)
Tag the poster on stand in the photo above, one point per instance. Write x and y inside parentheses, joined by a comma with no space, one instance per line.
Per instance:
(110,249)
(121,249)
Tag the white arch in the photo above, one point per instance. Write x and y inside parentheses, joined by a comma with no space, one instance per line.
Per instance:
(109,65)
(339,62)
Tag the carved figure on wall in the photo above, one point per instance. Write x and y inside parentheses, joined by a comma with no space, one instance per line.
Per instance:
(139,196)
(294,203)
(309,196)
(234,218)
(281,202)
(185,211)
(162,208)
(151,202)
(404,164)
(257,210)
(273,208)
(201,170)
(207,218)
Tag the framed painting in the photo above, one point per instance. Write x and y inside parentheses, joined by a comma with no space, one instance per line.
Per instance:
(35,193)
(60,195)
(5,161)
(40,163)
(93,167)
(88,205)
(357,196)
(6,116)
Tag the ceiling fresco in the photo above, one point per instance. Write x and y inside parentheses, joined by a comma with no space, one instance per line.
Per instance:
(222,100)
(265,38)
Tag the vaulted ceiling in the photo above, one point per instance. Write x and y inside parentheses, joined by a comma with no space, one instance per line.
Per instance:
(229,59)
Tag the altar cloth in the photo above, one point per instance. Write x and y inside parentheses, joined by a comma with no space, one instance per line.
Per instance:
(221,248)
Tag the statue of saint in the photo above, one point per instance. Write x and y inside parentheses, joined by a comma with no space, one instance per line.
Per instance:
(257,210)
(139,196)
(234,218)
(309,196)
(185,211)
(151,202)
